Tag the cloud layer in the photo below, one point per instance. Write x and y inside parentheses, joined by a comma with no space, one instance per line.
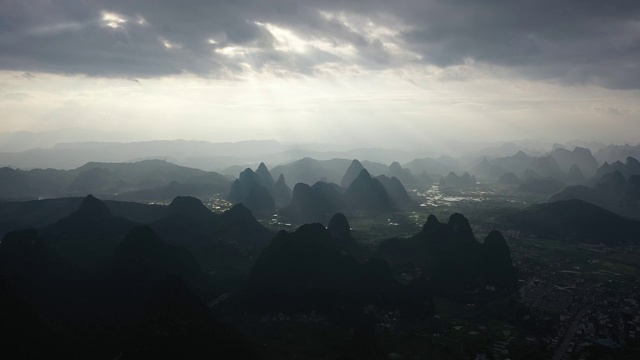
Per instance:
(571,42)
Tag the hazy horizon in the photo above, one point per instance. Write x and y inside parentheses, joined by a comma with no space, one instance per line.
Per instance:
(70,138)
(79,135)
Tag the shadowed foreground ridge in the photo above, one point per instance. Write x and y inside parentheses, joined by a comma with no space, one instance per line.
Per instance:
(135,301)
(117,289)
(453,259)
(309,269)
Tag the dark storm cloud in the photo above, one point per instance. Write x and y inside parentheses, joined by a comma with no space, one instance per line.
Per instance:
(572,41)
(568,41)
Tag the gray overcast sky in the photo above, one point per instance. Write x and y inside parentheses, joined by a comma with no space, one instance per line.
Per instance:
(374,73)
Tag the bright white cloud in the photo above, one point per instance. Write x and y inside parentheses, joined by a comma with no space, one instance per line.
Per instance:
(168,44)
(113,20)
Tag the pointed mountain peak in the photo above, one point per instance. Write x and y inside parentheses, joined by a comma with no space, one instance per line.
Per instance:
(431,224)
(460,226)
(281,192)
(238,211)
(247,175)
(189,206)
(262,167)
(265,176)
(92,207)
(495,239)
(339,227)
(368,193)
(352,173)
(246,179)
(497,257)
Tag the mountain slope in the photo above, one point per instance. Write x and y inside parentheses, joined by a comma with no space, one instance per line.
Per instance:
(576,220)
(110,179)
(451,257)
(367,193)
(89,235)
(351,174)
(396,191)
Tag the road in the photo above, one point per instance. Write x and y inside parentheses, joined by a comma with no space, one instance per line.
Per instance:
(562,349)
(220,299)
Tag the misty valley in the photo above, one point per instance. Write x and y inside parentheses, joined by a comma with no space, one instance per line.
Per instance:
(502,253)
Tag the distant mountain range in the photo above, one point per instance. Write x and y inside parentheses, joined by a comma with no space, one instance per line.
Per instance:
(198,154)
(159,180)
(155,179)
(556,165)
(310,164)
(365,193)
(613,153)
(613,192)
(630,167)
(259,192)
(577,221)
(71,148)
(27,140)
(45,153)
(453,180)
(310,171)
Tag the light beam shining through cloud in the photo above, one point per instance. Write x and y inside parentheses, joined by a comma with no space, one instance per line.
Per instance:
(324,70)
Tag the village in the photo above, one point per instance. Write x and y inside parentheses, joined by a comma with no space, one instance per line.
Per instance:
(586,300)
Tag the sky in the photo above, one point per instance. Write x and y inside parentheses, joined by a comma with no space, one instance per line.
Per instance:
(371,73)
